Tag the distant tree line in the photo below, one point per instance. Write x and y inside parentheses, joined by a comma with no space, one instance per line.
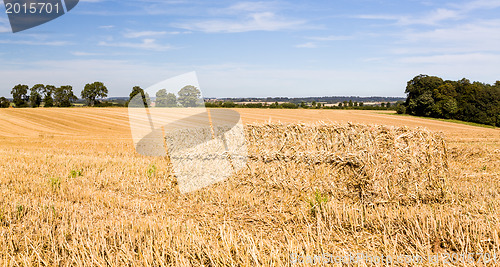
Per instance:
(464,100)
(303,105)
(322,99)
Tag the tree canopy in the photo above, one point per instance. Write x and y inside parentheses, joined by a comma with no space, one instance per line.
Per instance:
(93,91)
(142,100)
(36,95)
(63,96)
(20,95)
(164,99)
(463,100)
(4,102)
(189,96)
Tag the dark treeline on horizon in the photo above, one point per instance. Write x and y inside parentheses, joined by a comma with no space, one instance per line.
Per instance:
(323,99)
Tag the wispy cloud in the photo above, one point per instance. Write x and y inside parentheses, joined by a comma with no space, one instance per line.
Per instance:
(26,42)
(83,54)
(477,36)
(307,45)
(264,21)
(330,38)
(140,34)
(106,27)
(146,44)
(432,18)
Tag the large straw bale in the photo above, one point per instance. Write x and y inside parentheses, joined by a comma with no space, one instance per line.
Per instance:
(368,163)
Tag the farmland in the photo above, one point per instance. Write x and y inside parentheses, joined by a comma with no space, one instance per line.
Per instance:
(73,191)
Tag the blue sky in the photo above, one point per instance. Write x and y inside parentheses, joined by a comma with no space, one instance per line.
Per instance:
(257,48)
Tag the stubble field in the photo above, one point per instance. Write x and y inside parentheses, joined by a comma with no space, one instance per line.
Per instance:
(73,191)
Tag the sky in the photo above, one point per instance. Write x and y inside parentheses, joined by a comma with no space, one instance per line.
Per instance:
(257,48)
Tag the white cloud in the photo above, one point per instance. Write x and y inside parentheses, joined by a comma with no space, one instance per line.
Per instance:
(470,37)
(139,34)
(26,42)
(307,45)
(106,27)
(262,21)
(478,4)
(82,54)
(330,38)
(432,18)
(453,59)
(147,44)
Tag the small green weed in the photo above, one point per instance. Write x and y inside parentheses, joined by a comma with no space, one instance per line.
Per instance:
(55,183)
(75,173)
(317,203)
(152,170)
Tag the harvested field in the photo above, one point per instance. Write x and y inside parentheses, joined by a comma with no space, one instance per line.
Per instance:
(74,192)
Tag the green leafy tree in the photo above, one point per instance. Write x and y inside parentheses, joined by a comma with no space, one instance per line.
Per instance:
(4,102)
(143,100)
(63,96)
(136,90)
(171,100)
(20,95)
(189,96)
(36,95)
(48,100)
(93,91)
(161,98)
(164,99)
(340,104)
(350,103)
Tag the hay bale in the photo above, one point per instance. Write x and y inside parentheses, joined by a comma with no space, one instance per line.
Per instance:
(368,163)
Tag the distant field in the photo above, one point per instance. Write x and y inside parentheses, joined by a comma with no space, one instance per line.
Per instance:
(74,191)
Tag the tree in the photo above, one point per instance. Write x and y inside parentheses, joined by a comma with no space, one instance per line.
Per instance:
(161,98)
(340,104)
(164,99)
(63,96)
(171,100)
(189,96)
(20,95)
(350,103)
(93,91)
(142,100)
(36,95)
(462,99)
(48,100)
(4,102)
(388,105)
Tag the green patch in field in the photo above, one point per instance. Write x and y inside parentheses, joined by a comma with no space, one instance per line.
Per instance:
(445,120)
